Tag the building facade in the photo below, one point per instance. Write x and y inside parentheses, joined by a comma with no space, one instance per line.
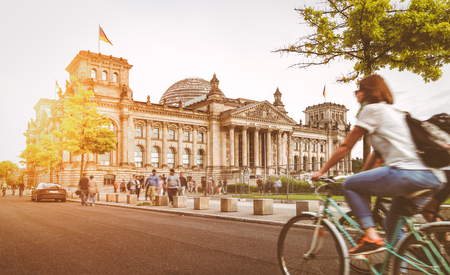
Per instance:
(205,133)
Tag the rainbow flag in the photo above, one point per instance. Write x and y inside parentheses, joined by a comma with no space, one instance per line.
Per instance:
(102,36)
(324,91)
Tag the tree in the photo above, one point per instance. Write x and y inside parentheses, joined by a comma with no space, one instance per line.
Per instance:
(29,156)
(357,165)
(415,37)
(83,129)
(7,168)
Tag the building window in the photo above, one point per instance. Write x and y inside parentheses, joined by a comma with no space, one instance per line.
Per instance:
(200,137)
(322,115)
(104,75)
(155,157)
(313,164)
(93,74)
(321,148)
(295,163)
(185,158)
(171,134)
(321,163)
(138,156)
(200,159)
(115,77)
(104,159)
(171,158)
(186,135)
(313,147)
(317,117)
(156,133)
(240,150)
(296,146)
(139,131)
(305,146)
(305,160)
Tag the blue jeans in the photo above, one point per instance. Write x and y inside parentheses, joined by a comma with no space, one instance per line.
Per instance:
(386,182)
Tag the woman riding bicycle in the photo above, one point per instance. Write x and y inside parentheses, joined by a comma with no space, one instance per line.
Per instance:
(4,187)
(404,173)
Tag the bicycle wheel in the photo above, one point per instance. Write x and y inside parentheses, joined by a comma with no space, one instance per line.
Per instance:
(356,264)
(296,255)
(439,234)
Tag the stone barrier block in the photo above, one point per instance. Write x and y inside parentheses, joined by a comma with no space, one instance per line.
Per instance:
(201,203)
(180,201)
(101,196)
(228,204)
(111,197)
(121,197)
(70,195)
(161,200)
(263,207)
(131,199)
(311,206)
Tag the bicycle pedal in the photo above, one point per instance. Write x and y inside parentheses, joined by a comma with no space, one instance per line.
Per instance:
(361,257)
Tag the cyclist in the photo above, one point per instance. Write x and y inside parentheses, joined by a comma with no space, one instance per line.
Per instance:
(387,132)
(4,187)
(21,188)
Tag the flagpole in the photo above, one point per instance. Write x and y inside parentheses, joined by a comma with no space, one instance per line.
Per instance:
(99,39)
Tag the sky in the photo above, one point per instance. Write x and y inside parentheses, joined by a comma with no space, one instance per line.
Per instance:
(167,41)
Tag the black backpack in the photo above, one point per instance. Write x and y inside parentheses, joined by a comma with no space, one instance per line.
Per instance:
(427,139)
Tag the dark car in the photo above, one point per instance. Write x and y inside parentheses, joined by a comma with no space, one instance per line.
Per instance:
(49,191)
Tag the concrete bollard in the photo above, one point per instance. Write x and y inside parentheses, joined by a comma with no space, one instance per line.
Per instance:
(201,203)
(263,206)
(228,204)
(121,197)
(131,199)
(161,200)
(101,196)
(111,197)
(180,201)
(308,206)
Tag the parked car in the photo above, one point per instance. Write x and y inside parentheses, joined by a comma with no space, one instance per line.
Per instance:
(49,191)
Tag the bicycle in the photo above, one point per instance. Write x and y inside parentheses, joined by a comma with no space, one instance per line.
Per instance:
(325,251)
(4,191)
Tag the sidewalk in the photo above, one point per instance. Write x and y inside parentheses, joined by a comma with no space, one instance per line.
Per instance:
(282,212)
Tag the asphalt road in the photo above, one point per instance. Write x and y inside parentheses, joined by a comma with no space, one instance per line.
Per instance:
(67,238)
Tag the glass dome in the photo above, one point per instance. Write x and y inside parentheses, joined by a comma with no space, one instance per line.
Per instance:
(185,90)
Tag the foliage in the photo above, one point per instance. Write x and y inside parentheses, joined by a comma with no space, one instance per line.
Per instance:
(357,165)
(376,35)
(7,168)
(83,129)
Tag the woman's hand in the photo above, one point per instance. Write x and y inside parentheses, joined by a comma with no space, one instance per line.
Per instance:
(316,175)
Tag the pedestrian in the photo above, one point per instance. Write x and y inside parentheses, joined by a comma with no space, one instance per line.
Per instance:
(13,188)
(194,187)
(132,185)
(93,190)
(116,186)
(259,182)
(21,188)
(83,186)
(165,183)
(203,181)
(277,186)
(269,186)
(184,185)
(219,187)
(225,186)
(161,186)
(123,186)
(190,184)
(4,188)
(138,187)
(210,186)
(151,185)
(173,184)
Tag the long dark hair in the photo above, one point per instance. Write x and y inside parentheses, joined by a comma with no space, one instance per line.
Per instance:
(376,89)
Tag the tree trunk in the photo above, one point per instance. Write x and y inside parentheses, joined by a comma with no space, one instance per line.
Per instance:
(51,172)
(82,166)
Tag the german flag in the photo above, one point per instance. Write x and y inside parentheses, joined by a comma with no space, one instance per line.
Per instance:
(103,37)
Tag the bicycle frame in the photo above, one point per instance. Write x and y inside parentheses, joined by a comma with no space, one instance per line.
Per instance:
(326,213)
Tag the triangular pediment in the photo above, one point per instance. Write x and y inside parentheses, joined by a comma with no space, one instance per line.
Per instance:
(262,111)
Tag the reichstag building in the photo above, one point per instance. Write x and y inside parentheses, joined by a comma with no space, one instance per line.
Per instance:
(194,128)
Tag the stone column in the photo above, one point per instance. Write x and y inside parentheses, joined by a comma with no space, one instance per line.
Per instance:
(148,144)
(309,154)
(291,150)
(232,148)
(244,146)
(194,146)
(300,158)
(269,148)
(236,149)
(125,160)
(223,141)
(256,146)
(279,151)
(180,145)
(164,145)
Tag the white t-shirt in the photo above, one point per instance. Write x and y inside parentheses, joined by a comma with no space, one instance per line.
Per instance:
(389,135)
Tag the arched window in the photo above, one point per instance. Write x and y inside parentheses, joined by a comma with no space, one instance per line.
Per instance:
(312,118)
(186,158)
(305,160)
(295,163)
(104,75)
(155,157)
(200,159)
(317,117)
(115,77)
(313,164)
(93,73)
(171,158)
(200,137)
(138,156)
